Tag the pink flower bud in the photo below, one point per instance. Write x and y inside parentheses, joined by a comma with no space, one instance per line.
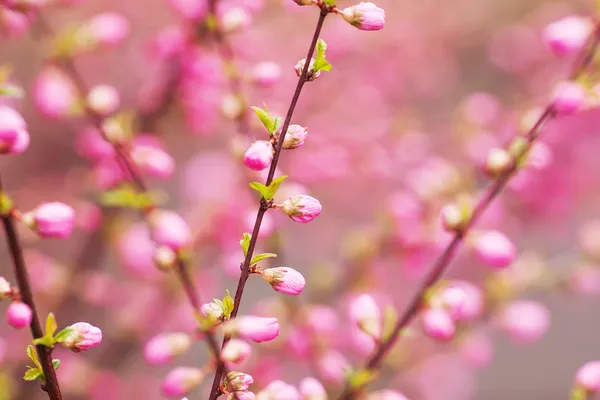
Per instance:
(54,93)
(5,288)
(51,220)
(494,249)
(588,376)
(257,329)
(82,337)
(453,218)
(312,389)
(295,137)
(153,161)
(333,367)
(365,16)
(237,381)
(13,23)
(498,162)
(14,138)
(454,300)
(312,75)
(386,395)
(279,390)
(168,42)
(91,145)
(212,311)
(259,155)
(18,315)
(265,74)
(285,280)
(365,313)
(437,324)
(167,228)
(569,97)
(473,306)
(568,35)
(181,380)
(525,321)
(109,28)
(234,19)
(103,99)
(236,351)
(301,208)
(163,348)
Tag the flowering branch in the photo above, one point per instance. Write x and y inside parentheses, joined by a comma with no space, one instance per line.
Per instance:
(264,206)
(44,353)
(441,264)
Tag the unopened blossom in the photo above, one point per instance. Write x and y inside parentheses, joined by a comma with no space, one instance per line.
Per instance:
(82,337)
(237,381)
(312,389)
(18,315)
(279,390)
(454,300)
(259,155)
(333,366)
(108,28)
(164,258)
(265,74)
(241,395)
(569,97)
(54,93)
(285,280)
(311,73)
(14,23)
(386,394)
(92,146)
(181,381)
(51,220)
(103,99)
(498,162)
(525,320)
(474,301)
(365,313)
(5,288)
(453,218)
(365,16)
(167,228)
(234,19)
(14,138)
(494,249)
(257,329)
(236,351)
(437,324)
(212,311)
(301,208)
(294,137)
(588,376)
(153,161)
(568,36)
(163,348)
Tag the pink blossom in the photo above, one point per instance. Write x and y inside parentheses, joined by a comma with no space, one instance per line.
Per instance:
(312,389)
(153,161)
(51,220)
(294,137)
(569,97)
(477,349)
(454,300)
(82,337)
(13,23)
(333,367)
(108,173)
(163,348)
(365,313)
(386,394)
(437,324)
(285,280)
(568,35)
(257,329)
(109,28)
(168,42)
(91,145)
(588,376)
(473,306)
(54,93)
(18,315)
(190,9)
(265,74)
(259,155)
(14,138)
(525,320)
(236,351)
(135,250)
(181,380)
(365,16)
(104,99)
(167,228)
(494,249)
(238,381)
(301,208)
(279,390)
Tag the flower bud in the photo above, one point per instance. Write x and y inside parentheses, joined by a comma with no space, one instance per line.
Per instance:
(181,381)
(51,220)
(365,313)
(5,288)
(365,16)
(18,314)
(265,74)
(279,390)
(568,35)
(242,395)
(311,74)
(103,99)
(234,19)
(525,320)
(301,208)
(212,311)
(259,155)
(333,367)
(108,28)
(12,130)
(257,329)
(437,324)
(456,216)
(163,348)
(167,228)
(453,300)
(236,351)
(237,381)
(312,389)
(164,258)
(153,161)
(92,146)
(285,280)
(190,9)
(494,249)
(82,337)
(294,137)
(498,162)
(569,97)
(54,93)
(386,394)
(304,2)
(588,376)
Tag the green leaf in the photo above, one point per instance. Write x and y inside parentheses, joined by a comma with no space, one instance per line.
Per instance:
(321,63)
(360,378)
(329,2)
(32,374)
(32,354)
(219,303)
(62,335)
(261,257)
(245,243)
(389,321)
(321,49)
(44,341)
(228,305)
(260,188)
(269,122)
(56,363)
(51,325)
(274,186)
(578,393)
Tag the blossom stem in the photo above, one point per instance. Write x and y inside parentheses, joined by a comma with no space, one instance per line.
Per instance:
(264,206)
(442,263)
(44,353)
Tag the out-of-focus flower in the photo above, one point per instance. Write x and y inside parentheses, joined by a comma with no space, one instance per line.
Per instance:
(18,315)
(163,348)
(259,155)
(257,329)
(51,220)
(181,380)
(568,35)
(365,313)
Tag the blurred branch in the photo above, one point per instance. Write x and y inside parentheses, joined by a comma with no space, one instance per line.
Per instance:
(442,263)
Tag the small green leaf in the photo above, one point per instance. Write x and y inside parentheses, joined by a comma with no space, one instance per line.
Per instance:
(228,305)
(261,257)
(245,243)
(32,354)
(260,188)
(62,335)
(51,325)
(321,63)
(272,189)
(329,2)
(219,303)
(56,363)
(44,341)
(32,374)
(265,117)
